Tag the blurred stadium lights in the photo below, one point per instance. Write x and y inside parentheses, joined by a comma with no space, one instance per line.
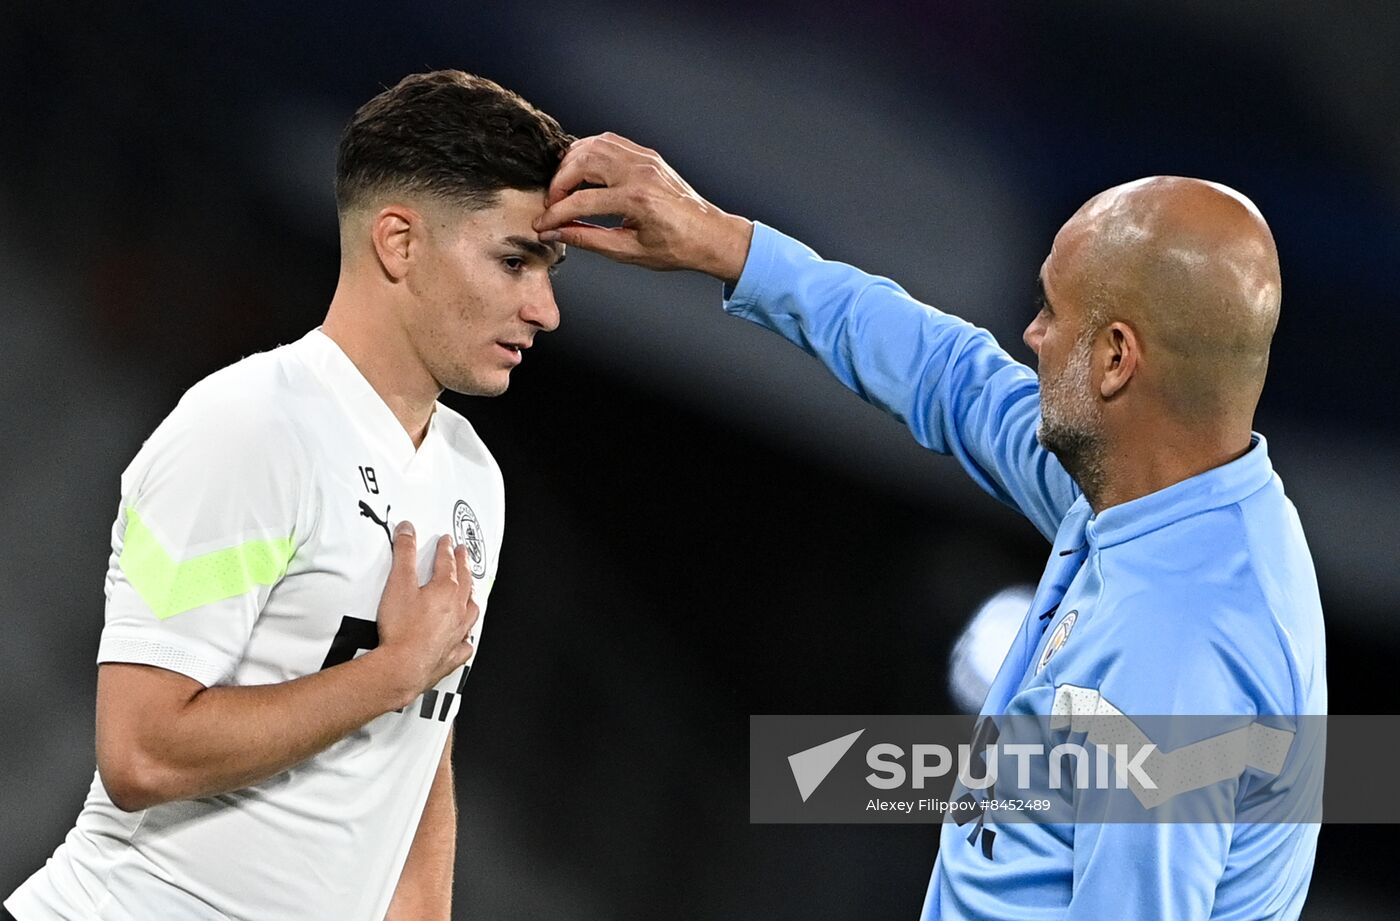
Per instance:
(982,645)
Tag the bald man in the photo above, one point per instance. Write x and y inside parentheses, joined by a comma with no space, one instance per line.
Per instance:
(1179,581)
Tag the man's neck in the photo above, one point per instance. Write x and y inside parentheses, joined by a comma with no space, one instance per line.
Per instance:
(374,341)
(1149,462)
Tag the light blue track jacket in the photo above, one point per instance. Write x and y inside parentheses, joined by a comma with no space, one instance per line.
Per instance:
(1200,598)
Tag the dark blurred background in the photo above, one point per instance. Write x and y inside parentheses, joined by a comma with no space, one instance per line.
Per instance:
(701,525)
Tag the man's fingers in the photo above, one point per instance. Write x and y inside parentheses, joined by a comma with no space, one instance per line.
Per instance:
(601,160)
(625,143)
(581,164)
(445,564)
(581,204)
(464,569)
(618,243)
(403,568)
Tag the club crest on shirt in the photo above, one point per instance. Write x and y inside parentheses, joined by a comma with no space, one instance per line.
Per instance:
(1057,639)
(466,530)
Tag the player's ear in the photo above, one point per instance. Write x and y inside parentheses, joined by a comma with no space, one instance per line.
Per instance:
(1119,354)
(396,231)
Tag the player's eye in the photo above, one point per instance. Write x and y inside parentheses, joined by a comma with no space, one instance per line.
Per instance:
(513,264)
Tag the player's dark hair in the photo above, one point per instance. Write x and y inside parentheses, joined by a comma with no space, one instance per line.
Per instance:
(448,134)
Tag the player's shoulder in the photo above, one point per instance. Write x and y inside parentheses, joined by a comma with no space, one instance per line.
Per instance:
(248,407)
(463,440)
(257,383)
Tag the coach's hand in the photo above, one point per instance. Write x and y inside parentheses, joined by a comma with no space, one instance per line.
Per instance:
(665,224)
(427,627)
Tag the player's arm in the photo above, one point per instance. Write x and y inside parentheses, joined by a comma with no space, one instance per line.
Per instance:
(164,736)
(215,509)
(948,381)
(424,891)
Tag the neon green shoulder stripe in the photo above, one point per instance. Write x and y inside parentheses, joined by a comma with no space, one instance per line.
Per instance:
(172,587)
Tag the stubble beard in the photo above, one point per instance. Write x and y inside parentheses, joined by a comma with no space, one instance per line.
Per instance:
(458,369)
(469,382)
(1071,427)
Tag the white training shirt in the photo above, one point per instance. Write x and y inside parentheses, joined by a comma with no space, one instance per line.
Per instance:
(251,547)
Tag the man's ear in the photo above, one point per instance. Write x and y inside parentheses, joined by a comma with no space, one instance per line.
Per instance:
(1120,352)
(397,234)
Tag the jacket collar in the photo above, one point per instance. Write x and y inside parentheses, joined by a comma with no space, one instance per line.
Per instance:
(1215,488)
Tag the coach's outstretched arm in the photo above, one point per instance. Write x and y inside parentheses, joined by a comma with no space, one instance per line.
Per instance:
(948,381)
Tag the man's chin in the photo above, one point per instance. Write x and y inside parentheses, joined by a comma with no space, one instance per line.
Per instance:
(1048,438)
(1079,451)
(496,387)
(492,386)
(1071,446)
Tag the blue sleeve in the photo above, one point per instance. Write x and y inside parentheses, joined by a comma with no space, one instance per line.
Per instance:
(1148,871)
(947,380)
(1194,670)
(1154,865)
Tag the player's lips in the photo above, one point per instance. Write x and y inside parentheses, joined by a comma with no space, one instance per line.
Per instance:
(514,350)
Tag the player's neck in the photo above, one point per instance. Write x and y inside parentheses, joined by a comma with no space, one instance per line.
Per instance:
(1138,466)
(376,343)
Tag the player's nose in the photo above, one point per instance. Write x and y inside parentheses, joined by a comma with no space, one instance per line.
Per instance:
(540,310)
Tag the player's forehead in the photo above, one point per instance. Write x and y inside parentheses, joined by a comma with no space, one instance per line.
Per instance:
(509,222)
